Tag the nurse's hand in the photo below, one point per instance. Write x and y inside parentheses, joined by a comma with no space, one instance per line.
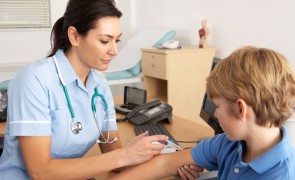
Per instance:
(141,148)
(190,172)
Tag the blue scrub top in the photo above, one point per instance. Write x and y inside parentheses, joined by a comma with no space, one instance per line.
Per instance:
(219,153)
(38,107)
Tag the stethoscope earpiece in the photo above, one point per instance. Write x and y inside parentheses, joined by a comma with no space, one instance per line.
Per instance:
(106,142)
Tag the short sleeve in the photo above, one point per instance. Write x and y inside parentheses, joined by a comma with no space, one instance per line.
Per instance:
(206,153)
(28,106)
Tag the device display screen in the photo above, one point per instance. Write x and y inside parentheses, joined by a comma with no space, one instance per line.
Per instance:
(153,111)
(135,96)
(209,107)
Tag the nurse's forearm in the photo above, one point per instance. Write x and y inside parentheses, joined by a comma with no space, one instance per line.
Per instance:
(107,147)
(40,165)
(158,167)
(80,168)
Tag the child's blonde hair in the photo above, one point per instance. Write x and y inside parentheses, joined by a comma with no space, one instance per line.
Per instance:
(262,78)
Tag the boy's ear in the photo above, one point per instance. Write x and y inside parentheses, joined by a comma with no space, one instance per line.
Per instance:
(73,36)
(242,108)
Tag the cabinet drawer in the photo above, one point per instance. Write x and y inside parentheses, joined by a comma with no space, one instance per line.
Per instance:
(154,65)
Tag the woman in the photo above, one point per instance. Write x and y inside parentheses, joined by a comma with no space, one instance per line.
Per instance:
(59,107)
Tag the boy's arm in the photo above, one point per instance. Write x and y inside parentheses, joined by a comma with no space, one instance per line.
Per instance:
(160,166)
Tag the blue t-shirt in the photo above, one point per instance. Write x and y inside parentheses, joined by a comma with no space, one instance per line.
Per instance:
(219,153)
(38,107)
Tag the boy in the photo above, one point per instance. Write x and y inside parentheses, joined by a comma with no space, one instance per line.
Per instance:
(254,93)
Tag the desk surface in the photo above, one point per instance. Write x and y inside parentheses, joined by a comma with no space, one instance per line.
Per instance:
(2,128)
(181,130)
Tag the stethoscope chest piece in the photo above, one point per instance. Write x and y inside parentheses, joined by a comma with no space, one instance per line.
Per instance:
(76,127)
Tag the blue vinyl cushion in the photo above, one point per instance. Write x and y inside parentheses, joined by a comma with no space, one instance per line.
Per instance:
(4,85)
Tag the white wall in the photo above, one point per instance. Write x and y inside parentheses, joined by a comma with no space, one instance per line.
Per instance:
(233,23)
(263,23)
(29,44)
(267,23)
(26,45)
(127,7)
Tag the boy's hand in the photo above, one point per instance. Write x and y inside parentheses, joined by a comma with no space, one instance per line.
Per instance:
(189,172)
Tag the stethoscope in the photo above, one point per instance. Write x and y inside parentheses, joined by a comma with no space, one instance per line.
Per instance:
(76,126)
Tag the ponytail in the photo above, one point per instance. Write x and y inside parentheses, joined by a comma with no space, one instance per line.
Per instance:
(59,39)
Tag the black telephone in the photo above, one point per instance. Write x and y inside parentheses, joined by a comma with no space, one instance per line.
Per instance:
(150,113)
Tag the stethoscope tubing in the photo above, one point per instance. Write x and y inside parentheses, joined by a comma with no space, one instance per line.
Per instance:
(76,126)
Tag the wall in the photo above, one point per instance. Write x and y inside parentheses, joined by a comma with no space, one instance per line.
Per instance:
(263,23)
(27,45)
(127,7)
(267,23)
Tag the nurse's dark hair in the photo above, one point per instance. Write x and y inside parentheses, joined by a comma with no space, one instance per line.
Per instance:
(83,15)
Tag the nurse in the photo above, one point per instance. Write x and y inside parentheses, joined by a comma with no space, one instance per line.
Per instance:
(59,107)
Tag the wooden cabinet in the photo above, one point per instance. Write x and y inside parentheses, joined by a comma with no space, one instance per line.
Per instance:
(178,77)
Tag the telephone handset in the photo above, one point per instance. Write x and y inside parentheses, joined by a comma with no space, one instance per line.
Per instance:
(150,113)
